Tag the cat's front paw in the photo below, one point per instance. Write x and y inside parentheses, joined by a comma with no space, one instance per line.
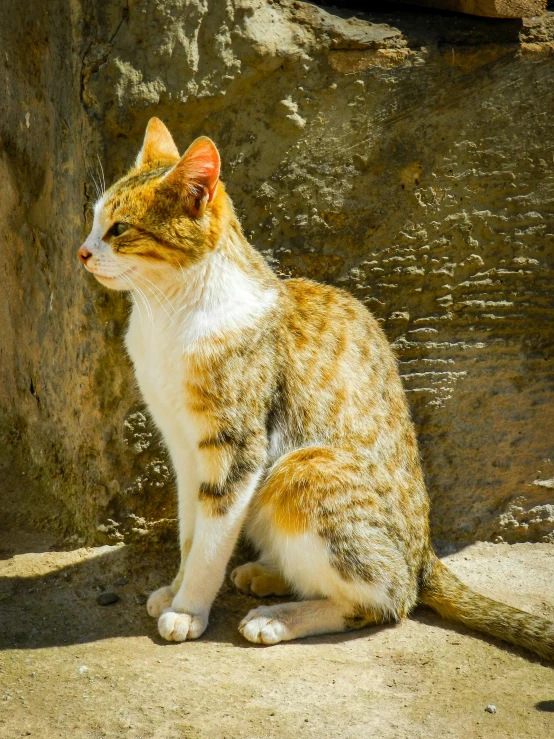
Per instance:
(159,601)
(175,626)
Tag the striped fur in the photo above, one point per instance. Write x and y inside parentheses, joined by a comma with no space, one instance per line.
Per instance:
(282,409)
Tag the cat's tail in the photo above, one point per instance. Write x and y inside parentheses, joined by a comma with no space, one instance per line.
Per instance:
(450,598)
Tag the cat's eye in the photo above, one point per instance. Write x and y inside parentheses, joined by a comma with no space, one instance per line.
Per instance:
(118,229)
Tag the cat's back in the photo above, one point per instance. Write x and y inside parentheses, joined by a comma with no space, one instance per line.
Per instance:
(326,326)
(342,385)
(341,371)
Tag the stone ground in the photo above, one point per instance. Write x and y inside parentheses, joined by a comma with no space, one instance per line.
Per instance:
(72,668)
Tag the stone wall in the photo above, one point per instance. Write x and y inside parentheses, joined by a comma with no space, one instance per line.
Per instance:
(405,155)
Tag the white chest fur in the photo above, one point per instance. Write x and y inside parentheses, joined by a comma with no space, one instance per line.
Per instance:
(214,299)
(161,370)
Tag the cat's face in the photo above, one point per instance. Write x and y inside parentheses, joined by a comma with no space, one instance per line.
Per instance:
(164,215)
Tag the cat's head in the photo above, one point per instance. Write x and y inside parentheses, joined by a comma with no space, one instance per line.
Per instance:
(164,215)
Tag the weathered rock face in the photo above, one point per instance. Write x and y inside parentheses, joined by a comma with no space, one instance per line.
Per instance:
(405,156)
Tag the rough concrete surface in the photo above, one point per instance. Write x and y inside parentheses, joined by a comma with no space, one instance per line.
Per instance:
(72,668)
(404,154)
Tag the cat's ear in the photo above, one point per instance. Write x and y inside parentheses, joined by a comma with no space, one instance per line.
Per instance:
(157,145)
(196,175)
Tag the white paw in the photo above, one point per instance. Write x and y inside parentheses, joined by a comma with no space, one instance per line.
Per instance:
(181,626)
(263,626)
(159,601)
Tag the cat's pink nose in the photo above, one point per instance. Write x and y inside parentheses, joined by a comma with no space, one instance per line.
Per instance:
(84,254)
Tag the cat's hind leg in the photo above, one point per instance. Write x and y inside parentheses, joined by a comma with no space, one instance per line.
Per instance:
(259,578)
(286,621)
(326,526)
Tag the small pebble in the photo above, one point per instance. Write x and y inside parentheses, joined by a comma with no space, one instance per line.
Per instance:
(121,581)
(141,599)
(106,599)
(490,708)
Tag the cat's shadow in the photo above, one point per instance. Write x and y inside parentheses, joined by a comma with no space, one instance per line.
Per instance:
(60,607)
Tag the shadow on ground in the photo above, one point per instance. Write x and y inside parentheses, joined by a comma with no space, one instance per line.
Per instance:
(52,601)
(70,667)
(59,607)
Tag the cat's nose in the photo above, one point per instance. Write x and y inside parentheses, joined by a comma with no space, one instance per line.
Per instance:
(84,254)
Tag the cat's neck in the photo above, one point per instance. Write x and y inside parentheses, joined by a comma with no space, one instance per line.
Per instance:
(230,289)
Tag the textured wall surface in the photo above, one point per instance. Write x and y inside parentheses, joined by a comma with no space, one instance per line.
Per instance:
(41,214)
(405,155)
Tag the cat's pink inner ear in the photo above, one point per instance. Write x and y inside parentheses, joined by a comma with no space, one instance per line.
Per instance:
(198,170)
(158,145)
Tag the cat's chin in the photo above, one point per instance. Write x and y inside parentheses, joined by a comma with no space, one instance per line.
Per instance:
(114,283)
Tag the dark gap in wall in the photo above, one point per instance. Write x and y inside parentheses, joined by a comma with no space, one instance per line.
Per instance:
(419,24)
(367,8)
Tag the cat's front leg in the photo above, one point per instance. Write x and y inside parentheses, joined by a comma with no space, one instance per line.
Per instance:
(220,514)
(187,490)
(162,598)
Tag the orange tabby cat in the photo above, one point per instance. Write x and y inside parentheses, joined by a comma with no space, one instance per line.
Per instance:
(284,415)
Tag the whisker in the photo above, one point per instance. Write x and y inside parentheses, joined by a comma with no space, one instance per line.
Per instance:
(99,178)
(155,296)
(142,277)
(102,173)
(135,301)
(146,303)
(144,298)
(92,177)
(95,184)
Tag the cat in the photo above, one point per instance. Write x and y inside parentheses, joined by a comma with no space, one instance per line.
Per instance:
(284,415)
